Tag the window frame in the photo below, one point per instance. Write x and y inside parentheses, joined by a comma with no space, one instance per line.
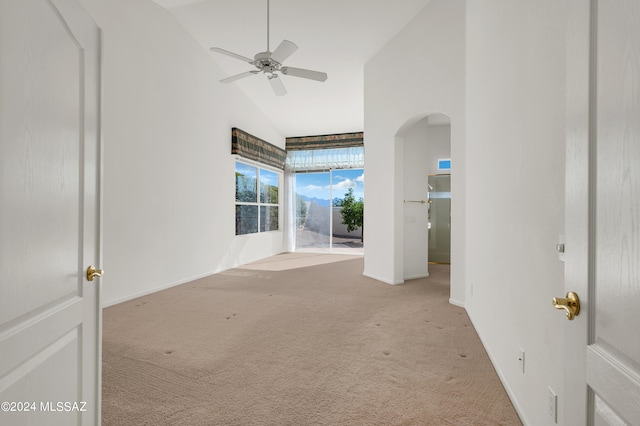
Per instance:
(259,204)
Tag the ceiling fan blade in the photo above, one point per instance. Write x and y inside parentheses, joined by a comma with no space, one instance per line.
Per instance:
(233,55)
(283,51)
(238,76)
(301,72)
(277,86)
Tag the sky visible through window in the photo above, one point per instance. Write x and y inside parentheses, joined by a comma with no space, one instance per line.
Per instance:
(268,177)
(318,185)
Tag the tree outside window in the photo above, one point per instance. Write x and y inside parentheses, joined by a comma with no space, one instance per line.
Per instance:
(352,212)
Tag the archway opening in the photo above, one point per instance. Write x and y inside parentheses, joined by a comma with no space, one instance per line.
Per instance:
(423,164)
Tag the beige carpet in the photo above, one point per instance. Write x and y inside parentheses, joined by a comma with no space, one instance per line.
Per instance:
(319,345)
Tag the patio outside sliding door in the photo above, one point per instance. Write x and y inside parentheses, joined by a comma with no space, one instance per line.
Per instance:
(313,210)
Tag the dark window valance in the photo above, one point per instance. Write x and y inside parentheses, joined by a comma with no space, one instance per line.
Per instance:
(253,148)
(343,140)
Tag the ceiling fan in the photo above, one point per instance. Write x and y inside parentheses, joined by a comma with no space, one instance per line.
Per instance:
(270,64)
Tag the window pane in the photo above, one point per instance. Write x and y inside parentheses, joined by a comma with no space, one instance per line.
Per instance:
(268,218)
(246,219)
(313,207)
(246,183)
(348,208)
(268,187)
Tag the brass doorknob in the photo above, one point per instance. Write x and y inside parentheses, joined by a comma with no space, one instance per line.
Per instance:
(571,304)
(93,273)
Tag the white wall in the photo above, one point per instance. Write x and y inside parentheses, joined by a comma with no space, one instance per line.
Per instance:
(168,172)
(515,192)
(439,136)
(415,177)
(419,72)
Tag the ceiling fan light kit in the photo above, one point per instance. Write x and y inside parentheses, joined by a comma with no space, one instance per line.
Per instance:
(270,64)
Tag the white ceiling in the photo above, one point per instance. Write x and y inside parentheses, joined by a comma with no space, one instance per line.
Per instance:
(334,36)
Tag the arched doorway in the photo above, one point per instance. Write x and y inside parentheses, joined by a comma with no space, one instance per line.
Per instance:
(423,152)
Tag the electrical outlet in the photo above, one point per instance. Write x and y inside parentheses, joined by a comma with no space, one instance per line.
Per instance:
(552,402)
(521,359)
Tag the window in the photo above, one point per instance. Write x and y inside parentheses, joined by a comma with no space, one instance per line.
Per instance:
(257,196)
(319,201)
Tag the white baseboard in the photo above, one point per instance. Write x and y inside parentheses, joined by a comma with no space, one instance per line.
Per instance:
(415,277)
(156,289)
(456,302)
(382,279)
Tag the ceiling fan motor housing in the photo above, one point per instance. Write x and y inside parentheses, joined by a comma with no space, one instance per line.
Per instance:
(263,62)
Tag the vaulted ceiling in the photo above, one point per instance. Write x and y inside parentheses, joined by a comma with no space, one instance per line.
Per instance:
(334,36)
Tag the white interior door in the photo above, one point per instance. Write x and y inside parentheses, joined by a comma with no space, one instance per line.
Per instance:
(602,259)
(49,214)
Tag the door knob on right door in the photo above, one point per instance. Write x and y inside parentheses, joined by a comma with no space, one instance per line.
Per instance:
(571,304)
(92,273)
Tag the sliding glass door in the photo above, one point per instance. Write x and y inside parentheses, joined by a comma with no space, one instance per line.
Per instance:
(319,199)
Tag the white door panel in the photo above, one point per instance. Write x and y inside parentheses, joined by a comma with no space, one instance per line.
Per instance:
(613,356)
(40,153)
(618,175)
(49,213)
(613,380)
(602,382)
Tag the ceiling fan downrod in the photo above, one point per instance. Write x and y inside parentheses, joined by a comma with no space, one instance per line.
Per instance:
(268,26)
